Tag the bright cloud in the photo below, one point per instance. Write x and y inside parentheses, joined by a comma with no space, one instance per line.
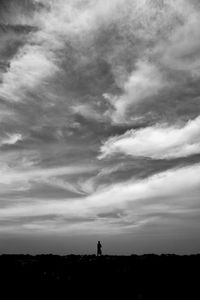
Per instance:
(37,60)
(30,66)
(166,192)
(146,81)
(158,142)
(12,139)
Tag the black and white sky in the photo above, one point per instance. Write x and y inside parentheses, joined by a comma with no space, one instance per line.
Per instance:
(99,126)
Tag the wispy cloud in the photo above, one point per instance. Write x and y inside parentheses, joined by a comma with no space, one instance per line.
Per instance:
(158,142)
(25,176)
(140,202)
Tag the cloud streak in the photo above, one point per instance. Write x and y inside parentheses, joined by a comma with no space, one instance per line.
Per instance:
(157,142)
(141,201)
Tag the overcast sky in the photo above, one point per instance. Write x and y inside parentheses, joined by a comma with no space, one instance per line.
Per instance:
(100,126)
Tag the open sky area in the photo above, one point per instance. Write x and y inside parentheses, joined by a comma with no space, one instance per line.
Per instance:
(99,126)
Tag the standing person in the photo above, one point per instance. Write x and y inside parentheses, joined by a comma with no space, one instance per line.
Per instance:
(99,251)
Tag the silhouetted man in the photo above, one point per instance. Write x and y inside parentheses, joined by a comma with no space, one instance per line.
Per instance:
(99,246)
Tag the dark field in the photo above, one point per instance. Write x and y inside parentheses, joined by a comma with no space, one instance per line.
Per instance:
(129,277)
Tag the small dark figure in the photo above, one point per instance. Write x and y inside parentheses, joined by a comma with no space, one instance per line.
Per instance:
(99,251)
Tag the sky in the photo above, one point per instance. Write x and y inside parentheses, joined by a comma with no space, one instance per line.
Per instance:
(99,126)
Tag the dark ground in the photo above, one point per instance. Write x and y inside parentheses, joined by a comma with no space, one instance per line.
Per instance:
(126,277)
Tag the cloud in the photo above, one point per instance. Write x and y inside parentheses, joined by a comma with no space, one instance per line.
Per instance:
(57,22)
(136,202)
(76,73)
(166,55)
(87,111)
(21,12)
(12,139)
(157,142)
(25,176)
(27,69)
(34,173)
(145,82)
(181,50)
